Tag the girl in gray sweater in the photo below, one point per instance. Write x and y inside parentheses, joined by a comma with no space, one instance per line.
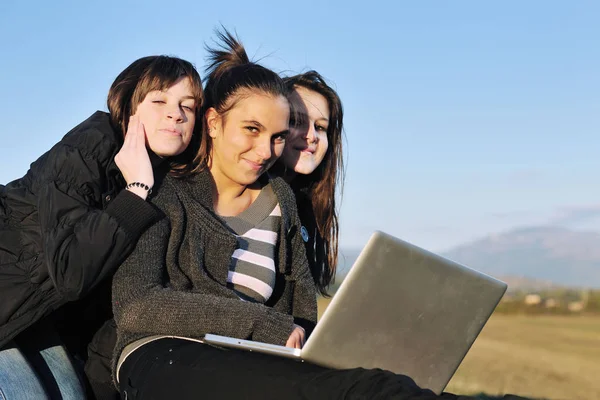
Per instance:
(229,259)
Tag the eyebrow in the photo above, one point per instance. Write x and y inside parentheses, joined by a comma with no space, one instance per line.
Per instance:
(285,132)
(190,97)
(258,124)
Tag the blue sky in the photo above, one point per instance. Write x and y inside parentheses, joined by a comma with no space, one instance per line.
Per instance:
(462,118)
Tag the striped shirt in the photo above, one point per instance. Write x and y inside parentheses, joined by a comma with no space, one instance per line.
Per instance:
(252,268)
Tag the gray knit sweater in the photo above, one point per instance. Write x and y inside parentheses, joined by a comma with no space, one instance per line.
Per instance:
(174,283)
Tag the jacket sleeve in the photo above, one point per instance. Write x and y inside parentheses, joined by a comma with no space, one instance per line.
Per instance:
(83,244)
(143,302)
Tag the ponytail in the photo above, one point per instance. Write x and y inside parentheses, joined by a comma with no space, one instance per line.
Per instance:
(227,56)
(230,73)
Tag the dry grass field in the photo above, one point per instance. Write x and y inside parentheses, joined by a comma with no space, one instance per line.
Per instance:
(541,357)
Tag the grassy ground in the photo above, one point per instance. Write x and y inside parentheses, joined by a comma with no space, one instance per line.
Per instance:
(544,357)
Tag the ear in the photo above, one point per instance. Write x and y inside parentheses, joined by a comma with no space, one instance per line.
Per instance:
(213,121)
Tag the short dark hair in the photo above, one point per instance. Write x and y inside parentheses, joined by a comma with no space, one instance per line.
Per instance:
(145,75)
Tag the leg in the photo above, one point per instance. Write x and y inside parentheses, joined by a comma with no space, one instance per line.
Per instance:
(48,357)
(98,365)
(63,372)
(172,368)
(18,381)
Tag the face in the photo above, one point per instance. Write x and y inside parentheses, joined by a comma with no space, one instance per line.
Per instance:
(307,143)
(248,139)
(168,118)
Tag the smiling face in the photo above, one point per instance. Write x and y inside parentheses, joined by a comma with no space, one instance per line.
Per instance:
(168,117)
(248,138)
(307,143)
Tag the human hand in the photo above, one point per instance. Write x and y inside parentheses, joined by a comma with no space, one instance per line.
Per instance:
(133,159)
(296,339)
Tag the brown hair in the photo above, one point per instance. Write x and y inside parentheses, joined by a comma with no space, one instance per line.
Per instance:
(231,75)
(321,185)
(143,76)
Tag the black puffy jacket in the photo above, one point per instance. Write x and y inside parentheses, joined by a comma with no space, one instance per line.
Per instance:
(65,226)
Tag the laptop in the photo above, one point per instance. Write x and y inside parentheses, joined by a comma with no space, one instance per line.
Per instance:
(400,308)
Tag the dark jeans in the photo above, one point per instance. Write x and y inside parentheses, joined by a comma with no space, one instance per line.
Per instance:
(180,369)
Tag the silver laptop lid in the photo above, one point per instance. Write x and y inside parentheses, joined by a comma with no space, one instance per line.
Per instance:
(404,309)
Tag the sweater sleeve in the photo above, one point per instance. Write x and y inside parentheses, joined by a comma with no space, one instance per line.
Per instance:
(305,294)
(83,244)
(144,303)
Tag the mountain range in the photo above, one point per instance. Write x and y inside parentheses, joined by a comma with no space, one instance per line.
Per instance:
(531,257)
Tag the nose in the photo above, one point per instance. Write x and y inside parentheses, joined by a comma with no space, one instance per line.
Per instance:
(311,135)
(263,150)
(175,113)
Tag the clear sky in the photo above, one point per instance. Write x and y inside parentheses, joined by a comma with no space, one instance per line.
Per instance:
(462,118)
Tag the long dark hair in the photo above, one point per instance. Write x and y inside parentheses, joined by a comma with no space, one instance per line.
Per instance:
(321,186)
(143,76)
(229,73)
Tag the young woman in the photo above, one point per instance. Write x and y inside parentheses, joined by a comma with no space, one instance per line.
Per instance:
(312,162)
(229,259)
(77,214)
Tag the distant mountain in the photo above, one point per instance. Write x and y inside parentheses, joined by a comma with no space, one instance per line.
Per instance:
(522,283)
(527,258)
(552,254)
(346,259)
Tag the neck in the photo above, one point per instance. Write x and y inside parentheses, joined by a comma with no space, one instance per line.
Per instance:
(289,175)
(155,159)
(279,169)
(227,191)
(228,194)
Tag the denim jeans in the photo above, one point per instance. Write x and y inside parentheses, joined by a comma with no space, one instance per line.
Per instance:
(37,366)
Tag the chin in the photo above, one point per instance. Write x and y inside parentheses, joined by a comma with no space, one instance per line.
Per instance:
(247,179)
(162,152)
(304,169)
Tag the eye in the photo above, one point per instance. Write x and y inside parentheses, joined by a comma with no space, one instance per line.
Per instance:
(321,128)
(189,108)
(158,101)
(280,138)
(251,129)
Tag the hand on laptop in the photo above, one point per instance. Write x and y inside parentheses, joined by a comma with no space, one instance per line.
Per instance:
(296,339)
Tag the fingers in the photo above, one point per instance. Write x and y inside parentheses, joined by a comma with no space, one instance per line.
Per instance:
(135,131)
(290,342)
(132,159)
(135,134)
(301,334)
(300,341)
(141,134)
(296,339)
(302,338)
(295,342)
(129,134)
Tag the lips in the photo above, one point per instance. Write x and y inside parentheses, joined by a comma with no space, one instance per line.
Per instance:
(310,150)
(172,131)
(254,165)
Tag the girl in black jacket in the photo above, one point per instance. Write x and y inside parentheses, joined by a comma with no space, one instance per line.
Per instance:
(68,223)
